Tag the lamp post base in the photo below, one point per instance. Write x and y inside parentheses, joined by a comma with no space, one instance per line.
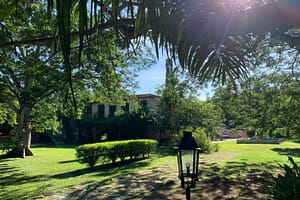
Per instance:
(188,193)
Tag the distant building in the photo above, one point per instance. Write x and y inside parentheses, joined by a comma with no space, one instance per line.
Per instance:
(228,134)
(99,110)
(149,101)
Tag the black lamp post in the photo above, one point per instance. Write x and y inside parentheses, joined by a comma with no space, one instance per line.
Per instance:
(188,161)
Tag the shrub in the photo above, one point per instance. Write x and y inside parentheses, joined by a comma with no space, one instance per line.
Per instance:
(287,186)
(6,146)
(204,142)
(90,153)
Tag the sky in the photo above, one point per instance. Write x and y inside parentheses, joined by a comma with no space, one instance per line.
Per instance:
(151,79)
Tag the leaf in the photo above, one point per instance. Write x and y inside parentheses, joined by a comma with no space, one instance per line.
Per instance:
(83,20)
(9,9)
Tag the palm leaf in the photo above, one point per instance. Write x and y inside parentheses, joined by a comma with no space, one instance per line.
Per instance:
(82,24)
(9,9)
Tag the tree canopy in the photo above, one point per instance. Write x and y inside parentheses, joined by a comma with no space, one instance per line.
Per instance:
(268,101)
(213,39)
(34,81)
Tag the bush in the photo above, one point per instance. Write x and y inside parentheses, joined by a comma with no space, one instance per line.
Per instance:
(90,153)
(204,142)
(201,139)
(6,146)
(287,186)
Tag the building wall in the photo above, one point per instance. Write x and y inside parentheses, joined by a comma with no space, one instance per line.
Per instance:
(94,109)
(150,100)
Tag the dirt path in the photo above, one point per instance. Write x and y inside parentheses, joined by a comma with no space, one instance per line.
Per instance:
(234,181)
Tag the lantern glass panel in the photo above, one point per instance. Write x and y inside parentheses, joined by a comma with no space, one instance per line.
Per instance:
(187,162)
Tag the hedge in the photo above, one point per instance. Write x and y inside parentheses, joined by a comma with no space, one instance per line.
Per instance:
(260,141)
(90,153)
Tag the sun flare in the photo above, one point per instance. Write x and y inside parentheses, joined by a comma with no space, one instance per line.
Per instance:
(240,4)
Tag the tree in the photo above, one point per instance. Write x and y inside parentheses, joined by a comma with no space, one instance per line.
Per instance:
(26,78)
(180,108)
(32,77)
(170,109)
(266,103)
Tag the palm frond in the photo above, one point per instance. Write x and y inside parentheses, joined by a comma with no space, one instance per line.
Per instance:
(211,40)
(9,9)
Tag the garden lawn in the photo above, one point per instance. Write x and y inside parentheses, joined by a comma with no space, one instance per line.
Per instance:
(57,169)
(52,169)
(272,154)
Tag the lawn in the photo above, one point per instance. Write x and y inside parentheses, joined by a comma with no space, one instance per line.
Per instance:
(56,169)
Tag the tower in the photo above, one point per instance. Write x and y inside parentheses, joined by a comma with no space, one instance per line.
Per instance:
(169,68)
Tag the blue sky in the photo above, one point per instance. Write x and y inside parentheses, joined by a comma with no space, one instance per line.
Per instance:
(151,79)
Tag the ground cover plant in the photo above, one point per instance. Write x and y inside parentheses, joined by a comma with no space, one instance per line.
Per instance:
(287,186)
(56,170)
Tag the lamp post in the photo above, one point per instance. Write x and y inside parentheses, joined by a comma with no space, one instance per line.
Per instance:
(188,161)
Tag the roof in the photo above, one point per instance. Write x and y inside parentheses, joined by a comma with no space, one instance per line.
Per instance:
(148,96)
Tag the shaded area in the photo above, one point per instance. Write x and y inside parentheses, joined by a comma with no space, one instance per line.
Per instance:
(234,180)
(68,161)
(294,152)
(104,170)
(138,185)
(13,176)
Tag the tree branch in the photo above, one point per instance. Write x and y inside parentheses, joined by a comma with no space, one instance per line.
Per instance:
(48,39)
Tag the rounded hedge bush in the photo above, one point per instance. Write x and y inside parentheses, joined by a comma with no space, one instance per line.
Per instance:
(90,153)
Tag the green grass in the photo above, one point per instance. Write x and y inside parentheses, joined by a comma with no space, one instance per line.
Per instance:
(53,169)
(262,153)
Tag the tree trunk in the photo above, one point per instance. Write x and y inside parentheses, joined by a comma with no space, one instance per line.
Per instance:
(27,138)
(23,135)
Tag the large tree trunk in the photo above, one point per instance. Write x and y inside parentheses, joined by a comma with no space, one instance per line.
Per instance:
(23,135)
(27,138)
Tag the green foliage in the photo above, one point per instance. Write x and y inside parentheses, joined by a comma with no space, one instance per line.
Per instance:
(180,108)
(90,153)
(202,139)
(267,101)
(287,186)
(204,142)
(265,104)
(8,145)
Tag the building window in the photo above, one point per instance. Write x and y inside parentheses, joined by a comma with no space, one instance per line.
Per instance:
(126,107)
(144,104)
(101,110)
(89,110)
(112,110)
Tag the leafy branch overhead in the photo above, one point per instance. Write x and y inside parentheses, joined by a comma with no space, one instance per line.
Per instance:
(214,39)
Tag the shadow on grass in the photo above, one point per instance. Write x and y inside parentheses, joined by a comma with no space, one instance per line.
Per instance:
(68,161)
(235,180)
(110,169)
(163,151)
(294,152)
(105,169)
(13,177)
(147,184)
